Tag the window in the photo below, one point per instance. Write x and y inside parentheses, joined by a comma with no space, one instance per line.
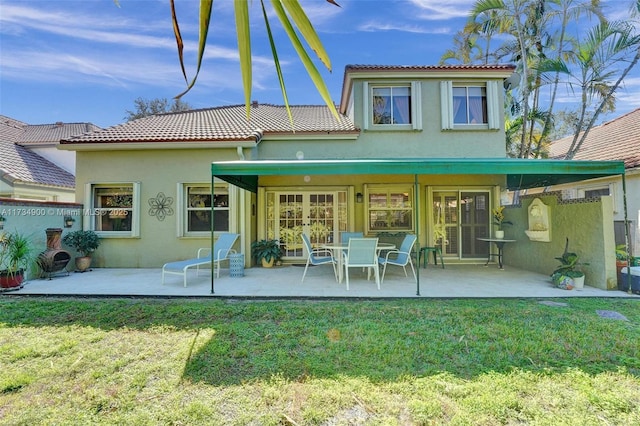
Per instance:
(114,208)
(392,106)
(389,209)
(197,209)
(470,106)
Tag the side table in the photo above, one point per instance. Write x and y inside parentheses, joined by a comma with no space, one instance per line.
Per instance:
(424,251)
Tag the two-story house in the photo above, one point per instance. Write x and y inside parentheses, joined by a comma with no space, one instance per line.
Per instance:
(415,148)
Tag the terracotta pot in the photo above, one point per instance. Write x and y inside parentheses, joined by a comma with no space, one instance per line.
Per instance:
(83,263)
(11,281)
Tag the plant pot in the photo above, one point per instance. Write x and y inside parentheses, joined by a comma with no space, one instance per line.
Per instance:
(562,281)
(499,234)
(268,264)
(83,263)
(578,282)
(11,281)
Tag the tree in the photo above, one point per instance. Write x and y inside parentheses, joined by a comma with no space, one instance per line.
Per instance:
(291,16)
(606,46)
(593,65)
(145,107)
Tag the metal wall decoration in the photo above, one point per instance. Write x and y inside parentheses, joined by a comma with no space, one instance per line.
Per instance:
(160,206)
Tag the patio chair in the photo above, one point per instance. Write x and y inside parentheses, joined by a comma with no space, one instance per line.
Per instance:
(400,257)
(318,256)
(346,236)
(221,250)
(362,253)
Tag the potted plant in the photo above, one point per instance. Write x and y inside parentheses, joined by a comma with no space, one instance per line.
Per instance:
(499,221)
(15,255)
(266,251)
(85,243)
(623,259)
(568,275)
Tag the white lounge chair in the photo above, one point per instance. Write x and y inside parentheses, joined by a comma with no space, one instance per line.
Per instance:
(221,250)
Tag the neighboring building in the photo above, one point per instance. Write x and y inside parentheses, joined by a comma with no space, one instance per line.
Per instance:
(618,139)
(43,139)
(413,148)
(29,165)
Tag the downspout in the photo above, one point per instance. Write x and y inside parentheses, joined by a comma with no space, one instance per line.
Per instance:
(626,232)
(212,228)
(240,153)
(417,224)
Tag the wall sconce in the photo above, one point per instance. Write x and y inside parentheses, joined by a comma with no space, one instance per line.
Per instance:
(359,197)
(68,221)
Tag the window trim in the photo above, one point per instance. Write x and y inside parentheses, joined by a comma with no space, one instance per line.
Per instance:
(93,210)
(493,107)
(415,106)
(182,217)
(399,188)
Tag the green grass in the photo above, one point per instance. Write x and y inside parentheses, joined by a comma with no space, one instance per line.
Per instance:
(405,362)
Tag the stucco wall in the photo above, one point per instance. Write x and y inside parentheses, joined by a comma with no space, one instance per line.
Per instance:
(32,218)
(586,223)
(157,171)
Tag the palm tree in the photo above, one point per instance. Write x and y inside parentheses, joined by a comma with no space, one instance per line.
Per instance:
(568,10)
(607,45)
(512,17)
(291,16)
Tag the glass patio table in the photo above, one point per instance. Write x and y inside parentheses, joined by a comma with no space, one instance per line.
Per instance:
(339,248)
(499,242)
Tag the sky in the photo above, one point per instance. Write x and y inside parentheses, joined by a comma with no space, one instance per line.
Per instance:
(87,61)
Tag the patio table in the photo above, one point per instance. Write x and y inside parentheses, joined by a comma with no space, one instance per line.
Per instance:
(499,242)
(339,248)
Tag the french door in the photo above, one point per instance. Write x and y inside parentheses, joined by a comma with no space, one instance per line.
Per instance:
(461,217)
(319,214)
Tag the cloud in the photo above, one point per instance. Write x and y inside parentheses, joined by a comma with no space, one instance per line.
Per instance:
(374,26)
(436,10)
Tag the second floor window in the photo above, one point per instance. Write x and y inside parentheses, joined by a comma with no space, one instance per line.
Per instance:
(469,105)
(391,105)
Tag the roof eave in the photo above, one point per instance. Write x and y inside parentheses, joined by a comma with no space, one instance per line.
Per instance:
(143,145)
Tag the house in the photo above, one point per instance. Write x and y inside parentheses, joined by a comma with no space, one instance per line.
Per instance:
(30,166)
(618,139)
(414,148)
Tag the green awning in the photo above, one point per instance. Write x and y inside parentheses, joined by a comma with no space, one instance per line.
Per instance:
(520,174)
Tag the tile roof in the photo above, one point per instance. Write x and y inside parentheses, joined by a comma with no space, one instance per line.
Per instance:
(53,133)
(39,134)
(18,163)
(426,68)
(618,139)
(226,123)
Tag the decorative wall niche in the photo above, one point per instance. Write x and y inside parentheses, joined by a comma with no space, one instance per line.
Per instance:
(539,224)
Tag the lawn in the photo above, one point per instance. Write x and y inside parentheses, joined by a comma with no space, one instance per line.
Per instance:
(239,362)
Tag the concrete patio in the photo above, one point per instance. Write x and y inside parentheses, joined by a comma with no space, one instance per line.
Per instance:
(455,281)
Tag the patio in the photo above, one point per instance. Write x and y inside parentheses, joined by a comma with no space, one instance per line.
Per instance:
(455,281)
